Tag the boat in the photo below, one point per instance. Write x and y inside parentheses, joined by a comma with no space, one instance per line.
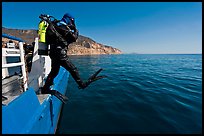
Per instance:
(24,109)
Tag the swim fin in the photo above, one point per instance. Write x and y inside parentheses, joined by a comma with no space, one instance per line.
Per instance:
(93,78)
(57,94)
(60,96)
(95,74)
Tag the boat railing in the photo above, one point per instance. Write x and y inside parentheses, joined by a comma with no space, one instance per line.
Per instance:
(7,52)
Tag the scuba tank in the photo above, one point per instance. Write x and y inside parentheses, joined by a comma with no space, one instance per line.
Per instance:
(46,21)
(42,46)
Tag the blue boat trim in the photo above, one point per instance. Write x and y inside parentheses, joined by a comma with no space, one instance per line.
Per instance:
(25,114)
(12,37)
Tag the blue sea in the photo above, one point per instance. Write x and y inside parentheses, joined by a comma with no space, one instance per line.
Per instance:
(143,94)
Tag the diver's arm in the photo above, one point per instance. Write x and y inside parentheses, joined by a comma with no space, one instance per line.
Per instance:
(74,33)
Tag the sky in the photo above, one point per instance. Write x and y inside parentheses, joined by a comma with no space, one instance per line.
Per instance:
(132,27)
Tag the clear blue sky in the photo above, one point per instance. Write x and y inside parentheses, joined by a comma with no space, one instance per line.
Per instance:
(139,27)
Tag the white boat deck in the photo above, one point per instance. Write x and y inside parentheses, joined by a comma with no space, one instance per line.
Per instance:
(11,89)
(15,85)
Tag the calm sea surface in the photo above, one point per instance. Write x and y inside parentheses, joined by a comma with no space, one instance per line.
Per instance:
(142,94)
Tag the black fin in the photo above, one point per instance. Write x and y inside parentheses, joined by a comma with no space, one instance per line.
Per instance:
(60,96)
(96,78)
(92,78)
(95,74)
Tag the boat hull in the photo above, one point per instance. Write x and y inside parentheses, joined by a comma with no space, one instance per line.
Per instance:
(26,115)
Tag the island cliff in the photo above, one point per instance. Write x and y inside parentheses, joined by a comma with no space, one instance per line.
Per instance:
(83,45)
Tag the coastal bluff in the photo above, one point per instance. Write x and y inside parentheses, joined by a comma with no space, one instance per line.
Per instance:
(83,45)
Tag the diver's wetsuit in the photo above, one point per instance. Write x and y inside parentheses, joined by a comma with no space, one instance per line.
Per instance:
(58,54)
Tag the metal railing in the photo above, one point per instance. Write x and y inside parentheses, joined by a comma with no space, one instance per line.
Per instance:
(6,52)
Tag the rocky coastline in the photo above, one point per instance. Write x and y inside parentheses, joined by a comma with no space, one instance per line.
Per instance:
(83,45)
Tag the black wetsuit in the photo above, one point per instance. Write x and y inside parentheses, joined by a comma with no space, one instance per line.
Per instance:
(58,53)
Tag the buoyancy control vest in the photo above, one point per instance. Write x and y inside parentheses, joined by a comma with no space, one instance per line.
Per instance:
(42,45)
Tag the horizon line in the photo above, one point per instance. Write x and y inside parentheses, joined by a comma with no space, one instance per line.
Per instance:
(165,53)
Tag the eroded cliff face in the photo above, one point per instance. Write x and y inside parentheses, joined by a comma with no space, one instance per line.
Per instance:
(87,46)
(83,45)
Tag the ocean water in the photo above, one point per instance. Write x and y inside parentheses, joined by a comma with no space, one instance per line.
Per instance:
(148,94)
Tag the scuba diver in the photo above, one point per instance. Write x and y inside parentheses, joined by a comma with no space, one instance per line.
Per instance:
(59,34)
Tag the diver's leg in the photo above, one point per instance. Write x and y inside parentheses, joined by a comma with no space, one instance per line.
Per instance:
(55,66)
(67,64)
